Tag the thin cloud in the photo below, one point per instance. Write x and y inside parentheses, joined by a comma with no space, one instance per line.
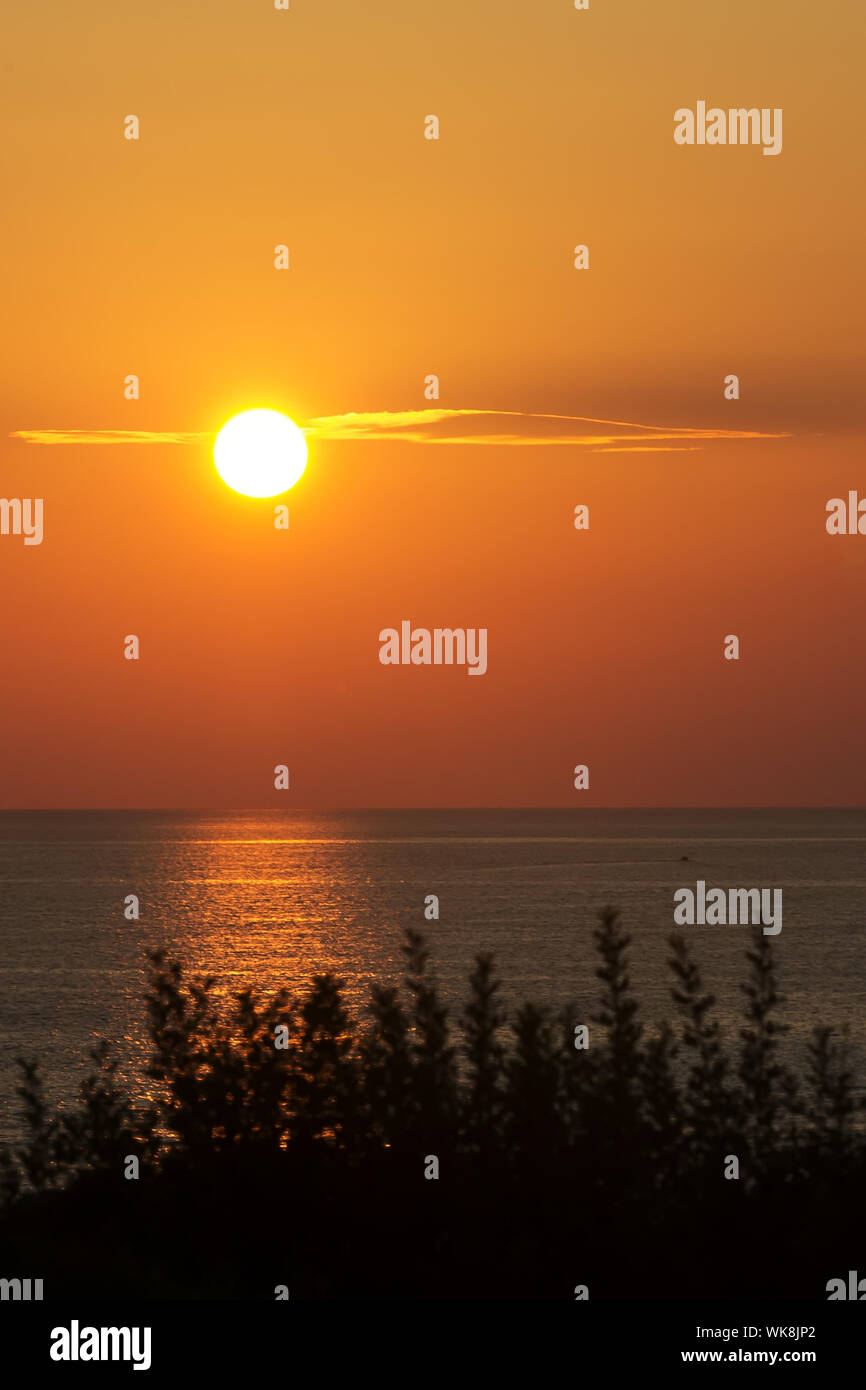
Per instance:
(108,436)
(436,426)
(664,448)
(426,427)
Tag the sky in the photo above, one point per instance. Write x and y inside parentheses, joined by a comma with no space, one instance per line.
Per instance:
(453,257)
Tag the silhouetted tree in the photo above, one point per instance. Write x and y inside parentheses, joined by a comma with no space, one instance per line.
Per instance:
(434,1073)
(762,1077)
(482,1021)
(326,1102)
(709,1106)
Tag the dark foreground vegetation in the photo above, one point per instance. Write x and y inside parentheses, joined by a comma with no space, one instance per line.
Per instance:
(304,1166)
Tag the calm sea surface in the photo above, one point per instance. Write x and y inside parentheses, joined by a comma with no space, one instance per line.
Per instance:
(271,900)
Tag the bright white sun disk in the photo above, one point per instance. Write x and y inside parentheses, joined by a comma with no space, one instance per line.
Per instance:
(260,453)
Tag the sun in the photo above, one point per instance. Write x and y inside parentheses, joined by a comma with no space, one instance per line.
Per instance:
(260,453)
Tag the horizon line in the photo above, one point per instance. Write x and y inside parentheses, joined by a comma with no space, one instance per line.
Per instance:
(333,810)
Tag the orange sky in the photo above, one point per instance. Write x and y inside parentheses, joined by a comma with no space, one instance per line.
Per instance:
(453,257)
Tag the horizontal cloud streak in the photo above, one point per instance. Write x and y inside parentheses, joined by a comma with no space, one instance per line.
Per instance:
(436,426)
(424,427)
(108,436)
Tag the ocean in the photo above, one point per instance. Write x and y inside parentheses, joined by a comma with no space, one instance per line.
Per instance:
(268,899)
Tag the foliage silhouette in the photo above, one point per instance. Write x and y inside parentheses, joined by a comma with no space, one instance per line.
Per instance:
(304,1164)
